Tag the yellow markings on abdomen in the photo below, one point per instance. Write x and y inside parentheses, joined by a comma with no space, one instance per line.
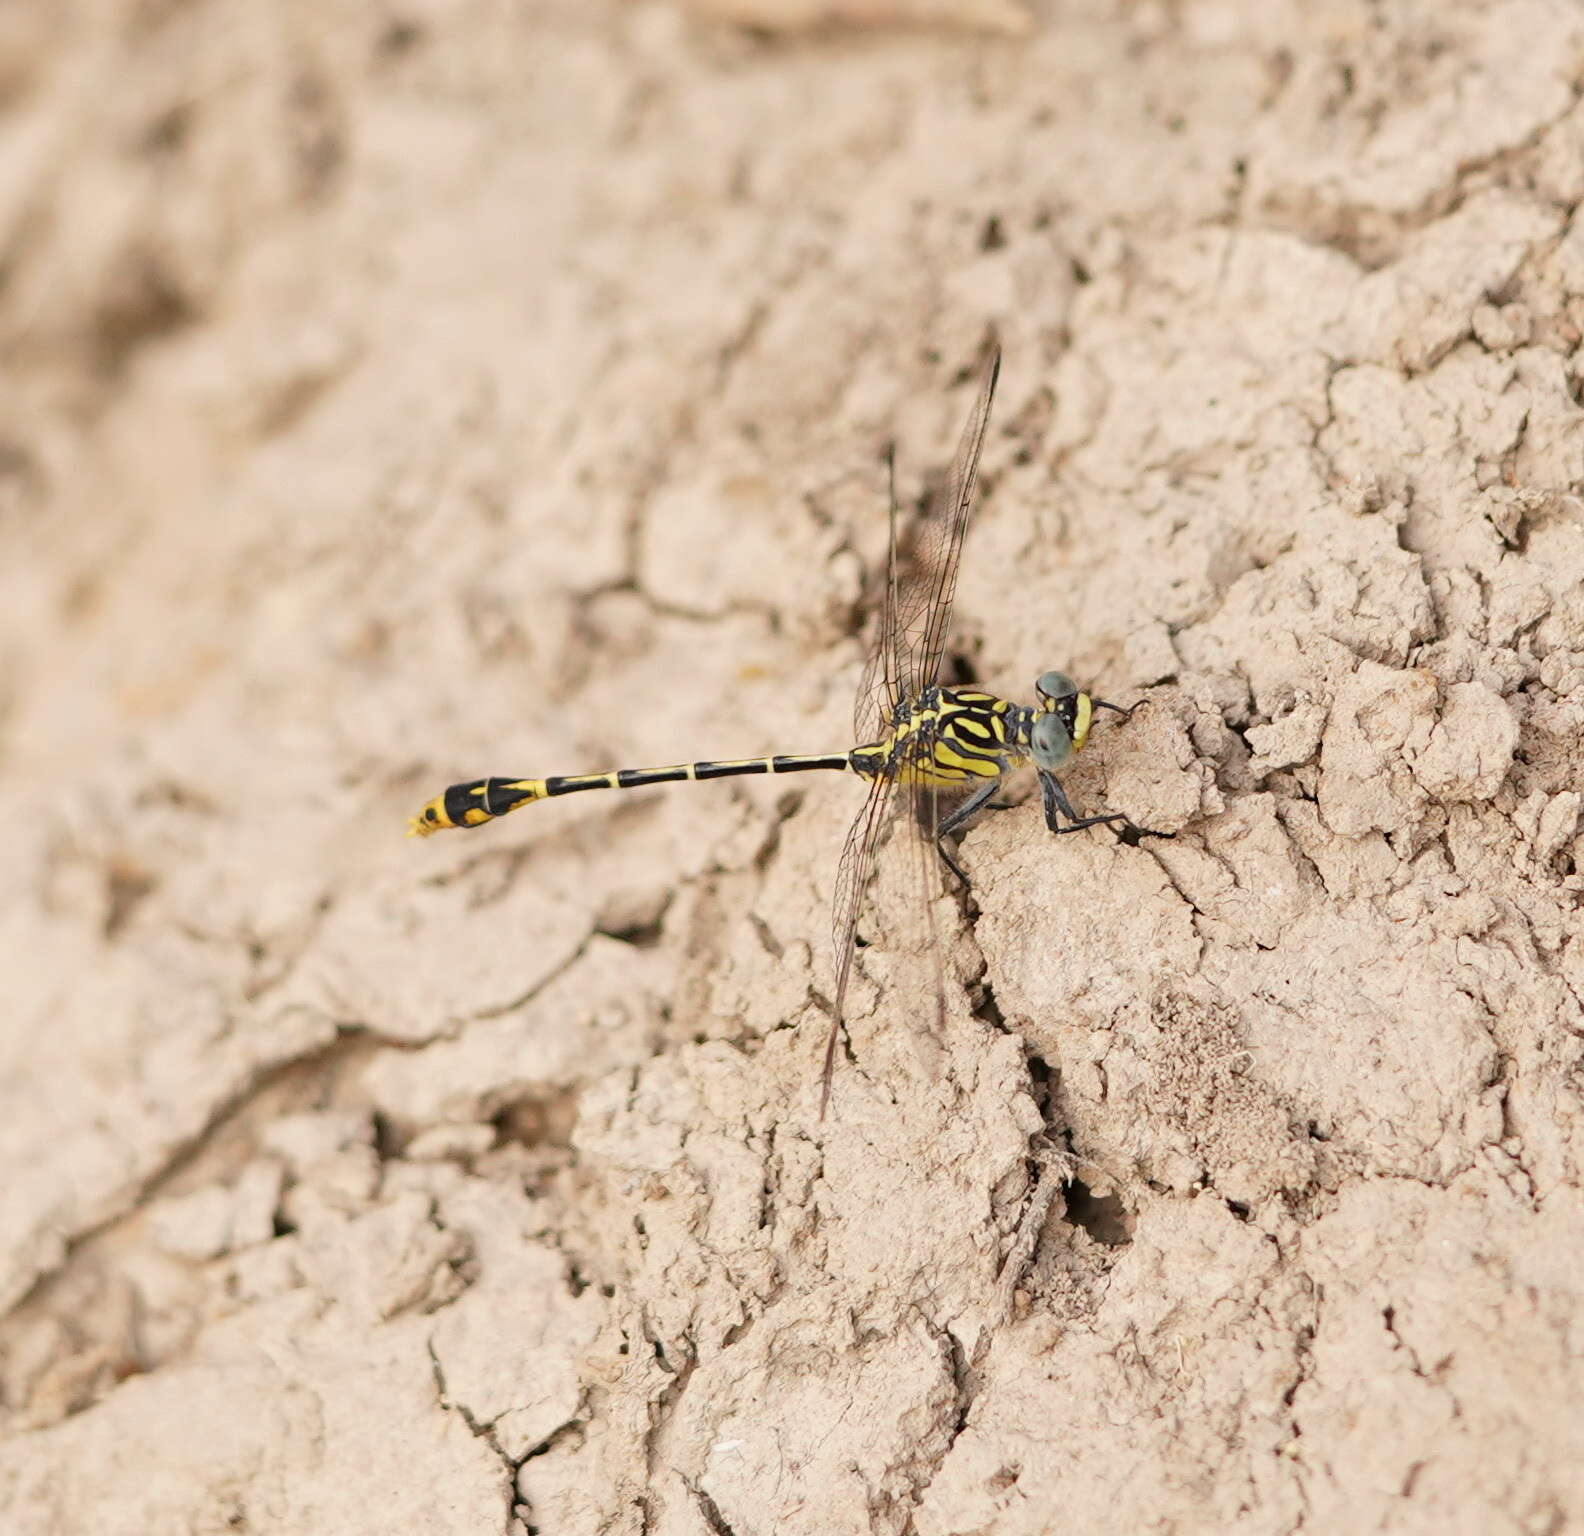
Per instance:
(477,801)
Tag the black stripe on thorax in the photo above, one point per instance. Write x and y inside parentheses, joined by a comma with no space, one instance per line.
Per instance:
(974,719)
(970,727)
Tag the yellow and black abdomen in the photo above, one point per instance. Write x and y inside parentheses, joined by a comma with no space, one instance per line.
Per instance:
(477,801)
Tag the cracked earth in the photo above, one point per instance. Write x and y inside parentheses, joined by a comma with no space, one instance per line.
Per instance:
(402,394)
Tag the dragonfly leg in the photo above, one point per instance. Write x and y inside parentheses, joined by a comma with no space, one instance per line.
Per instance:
(1126,714)
(958,817)
(1057,805)
(949,859)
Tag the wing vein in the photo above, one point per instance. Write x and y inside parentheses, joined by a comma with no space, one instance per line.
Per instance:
(852,880)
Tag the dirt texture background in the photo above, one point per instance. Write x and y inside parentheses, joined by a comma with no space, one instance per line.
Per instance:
(398,393)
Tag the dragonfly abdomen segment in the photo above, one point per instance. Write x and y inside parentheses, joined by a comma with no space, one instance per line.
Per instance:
(477,801)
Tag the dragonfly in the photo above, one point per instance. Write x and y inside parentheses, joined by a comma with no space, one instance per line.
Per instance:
(922,741)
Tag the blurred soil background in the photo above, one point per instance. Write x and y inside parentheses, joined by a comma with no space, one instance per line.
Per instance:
(396,393)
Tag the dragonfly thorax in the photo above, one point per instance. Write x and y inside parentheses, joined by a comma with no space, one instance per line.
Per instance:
(955,737)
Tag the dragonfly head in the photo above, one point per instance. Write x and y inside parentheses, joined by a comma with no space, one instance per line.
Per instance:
(1062,725)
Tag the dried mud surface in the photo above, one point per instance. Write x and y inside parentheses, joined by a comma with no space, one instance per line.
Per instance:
(396,394)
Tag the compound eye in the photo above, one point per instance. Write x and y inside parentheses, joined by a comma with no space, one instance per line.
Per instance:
(1053,687)
(1051,741)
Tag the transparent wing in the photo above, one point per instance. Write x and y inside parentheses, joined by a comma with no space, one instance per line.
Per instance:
(924,600)
(926,886)
(879,687)
(852,880)
(904,661)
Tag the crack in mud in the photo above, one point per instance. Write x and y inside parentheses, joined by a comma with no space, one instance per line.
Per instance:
(485,1433)
(709,1510)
